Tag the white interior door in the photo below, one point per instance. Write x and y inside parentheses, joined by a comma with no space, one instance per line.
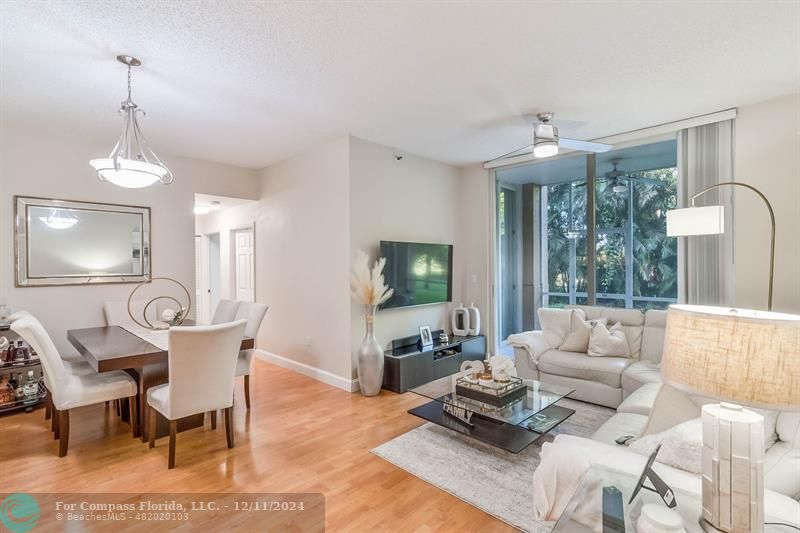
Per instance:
(245,265)
(200,280)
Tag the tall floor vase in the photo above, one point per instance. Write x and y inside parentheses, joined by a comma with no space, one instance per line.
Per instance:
(370,358)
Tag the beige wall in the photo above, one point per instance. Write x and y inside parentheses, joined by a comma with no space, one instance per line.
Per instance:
(34,163)
(303,258)
(414,199)
(768,157)
(475,223)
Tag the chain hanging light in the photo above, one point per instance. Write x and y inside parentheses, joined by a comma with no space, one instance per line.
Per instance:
(132,163)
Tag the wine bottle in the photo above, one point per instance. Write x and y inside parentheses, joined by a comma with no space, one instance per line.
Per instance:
(30,391)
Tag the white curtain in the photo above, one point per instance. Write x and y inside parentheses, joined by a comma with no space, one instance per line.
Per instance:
(705,158)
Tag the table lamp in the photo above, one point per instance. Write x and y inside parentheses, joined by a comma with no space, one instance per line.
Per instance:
(734,355)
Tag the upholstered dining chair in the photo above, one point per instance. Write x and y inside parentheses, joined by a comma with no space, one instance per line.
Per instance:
(74,363)
(116,313)
(202,367)
(77,362)
(225,311)
(69,390)
(254,314)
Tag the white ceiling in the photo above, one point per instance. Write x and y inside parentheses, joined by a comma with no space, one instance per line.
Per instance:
(217,203)
(252,82)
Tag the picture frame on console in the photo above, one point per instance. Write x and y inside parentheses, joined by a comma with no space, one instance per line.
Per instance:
(425,337)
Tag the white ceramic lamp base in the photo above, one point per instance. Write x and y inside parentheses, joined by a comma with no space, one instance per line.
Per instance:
(733,471)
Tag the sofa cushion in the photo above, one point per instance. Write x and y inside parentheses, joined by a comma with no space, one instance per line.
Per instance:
(606,370)
(608,342)
(655,323)
(620,425)
(639,373)
(632,321)
(671,408)
(641,400)
(782,469)
(788,427)
(681,446)
(556,324)
(580,332)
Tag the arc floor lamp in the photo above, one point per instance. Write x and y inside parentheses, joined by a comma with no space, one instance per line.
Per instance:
(710,220)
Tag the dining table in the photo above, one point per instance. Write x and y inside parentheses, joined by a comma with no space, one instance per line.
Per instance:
(111,348)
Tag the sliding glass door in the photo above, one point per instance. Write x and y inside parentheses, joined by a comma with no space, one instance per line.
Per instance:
(634,262)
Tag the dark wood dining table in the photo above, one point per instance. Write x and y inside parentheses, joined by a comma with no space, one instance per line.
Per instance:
(109,348)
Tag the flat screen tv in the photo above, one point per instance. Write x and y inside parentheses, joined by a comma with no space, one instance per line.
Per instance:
(419,273)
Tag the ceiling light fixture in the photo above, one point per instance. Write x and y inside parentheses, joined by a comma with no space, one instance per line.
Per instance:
(202,209)
(132,163)
(545,137)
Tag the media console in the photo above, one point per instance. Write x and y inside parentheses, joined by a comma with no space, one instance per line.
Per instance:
(407,365)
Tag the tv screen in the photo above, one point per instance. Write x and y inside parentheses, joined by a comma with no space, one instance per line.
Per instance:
(419,273)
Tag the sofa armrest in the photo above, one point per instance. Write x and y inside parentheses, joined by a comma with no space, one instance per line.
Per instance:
(525,367)
(532,342)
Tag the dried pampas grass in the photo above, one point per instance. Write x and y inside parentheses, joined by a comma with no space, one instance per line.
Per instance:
(367,287)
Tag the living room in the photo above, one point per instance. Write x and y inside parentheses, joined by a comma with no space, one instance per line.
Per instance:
(602,196)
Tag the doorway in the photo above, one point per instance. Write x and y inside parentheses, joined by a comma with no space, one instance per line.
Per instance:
(244,254)
(225,251)
(508,255)
(213,290)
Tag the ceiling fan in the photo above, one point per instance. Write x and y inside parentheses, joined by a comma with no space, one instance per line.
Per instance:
(620,178)
(546,141)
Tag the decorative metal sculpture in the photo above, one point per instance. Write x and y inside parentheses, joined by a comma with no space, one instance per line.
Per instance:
(170,317)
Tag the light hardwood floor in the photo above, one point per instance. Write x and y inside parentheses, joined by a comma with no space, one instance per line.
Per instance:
(299,436)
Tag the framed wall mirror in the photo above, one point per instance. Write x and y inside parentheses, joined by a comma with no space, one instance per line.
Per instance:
(62,242)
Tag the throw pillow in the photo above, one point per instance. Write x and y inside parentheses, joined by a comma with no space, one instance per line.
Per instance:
(671,408)
(578,338)
(556,324)
(604,342)
(681,446)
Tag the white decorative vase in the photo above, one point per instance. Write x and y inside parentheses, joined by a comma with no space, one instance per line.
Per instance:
(370,358)
(474,319)
(460,321)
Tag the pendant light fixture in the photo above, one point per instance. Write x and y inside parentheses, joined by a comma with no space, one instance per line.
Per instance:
(132,163)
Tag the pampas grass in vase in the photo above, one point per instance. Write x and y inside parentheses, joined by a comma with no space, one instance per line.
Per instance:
(368,289)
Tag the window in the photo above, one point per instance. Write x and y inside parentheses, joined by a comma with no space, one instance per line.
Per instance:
(635,262)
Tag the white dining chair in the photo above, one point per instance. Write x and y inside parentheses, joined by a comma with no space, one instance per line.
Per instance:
(73,363)
(225,311)
(254,314)
(77,362)
(202,367)
(116,313)
(69,390)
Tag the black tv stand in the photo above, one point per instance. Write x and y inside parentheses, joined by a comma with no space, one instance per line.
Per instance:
(408,365)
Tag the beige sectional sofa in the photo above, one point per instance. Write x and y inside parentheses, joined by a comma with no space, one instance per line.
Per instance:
(631,385)
(600,380)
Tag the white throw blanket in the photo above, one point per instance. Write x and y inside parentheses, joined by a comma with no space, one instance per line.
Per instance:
(532,342)
(158,338)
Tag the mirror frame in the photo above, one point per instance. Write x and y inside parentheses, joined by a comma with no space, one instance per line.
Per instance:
(22,279)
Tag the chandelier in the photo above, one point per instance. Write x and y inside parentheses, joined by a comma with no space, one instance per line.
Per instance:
(132,163)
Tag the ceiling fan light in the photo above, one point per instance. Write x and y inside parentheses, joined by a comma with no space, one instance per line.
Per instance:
(545,149)
(619,187)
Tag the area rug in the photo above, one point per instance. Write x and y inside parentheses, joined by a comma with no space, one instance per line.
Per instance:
(493,480)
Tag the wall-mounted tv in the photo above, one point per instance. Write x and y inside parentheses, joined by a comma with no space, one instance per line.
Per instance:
(419,273)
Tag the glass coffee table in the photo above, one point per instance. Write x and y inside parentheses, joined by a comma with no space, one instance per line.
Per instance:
(512,426)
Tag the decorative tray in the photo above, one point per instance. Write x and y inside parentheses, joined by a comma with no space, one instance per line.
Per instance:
(500,394)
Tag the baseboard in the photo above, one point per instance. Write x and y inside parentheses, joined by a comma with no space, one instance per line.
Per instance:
(350,385)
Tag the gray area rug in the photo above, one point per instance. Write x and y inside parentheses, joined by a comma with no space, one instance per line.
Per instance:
(493,480)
